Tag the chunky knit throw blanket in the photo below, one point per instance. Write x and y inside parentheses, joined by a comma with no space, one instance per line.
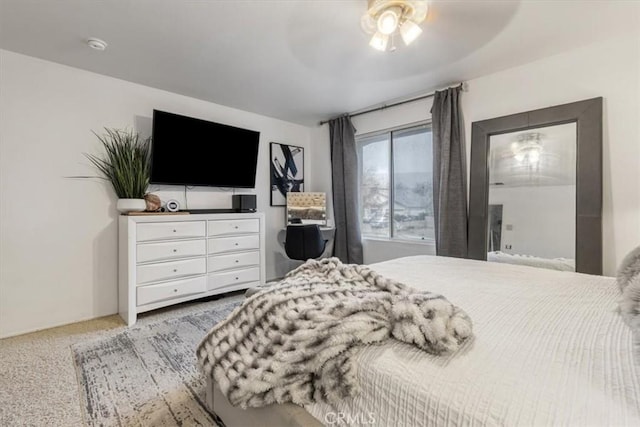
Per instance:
(628,278)
(293,342)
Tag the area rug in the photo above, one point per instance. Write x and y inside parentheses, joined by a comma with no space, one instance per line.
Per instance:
(147,375)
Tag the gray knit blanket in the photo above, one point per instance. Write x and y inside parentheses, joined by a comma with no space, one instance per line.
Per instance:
(293,342)
(628,279)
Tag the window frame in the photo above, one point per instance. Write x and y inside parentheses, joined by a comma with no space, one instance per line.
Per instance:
(424,124)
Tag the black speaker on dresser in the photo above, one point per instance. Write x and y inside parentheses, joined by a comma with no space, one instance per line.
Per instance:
(244,202)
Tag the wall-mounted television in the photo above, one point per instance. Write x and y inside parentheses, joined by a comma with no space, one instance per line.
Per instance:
(190,151)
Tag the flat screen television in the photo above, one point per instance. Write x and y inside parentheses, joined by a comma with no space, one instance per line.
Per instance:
(190,151)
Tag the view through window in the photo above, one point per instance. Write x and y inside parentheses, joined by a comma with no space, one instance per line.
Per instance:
(396,192)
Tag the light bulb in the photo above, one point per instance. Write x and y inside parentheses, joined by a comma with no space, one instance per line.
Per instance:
(379,41)
(388,21)
(421,8)
(409,31)
(368,24)
(534,156)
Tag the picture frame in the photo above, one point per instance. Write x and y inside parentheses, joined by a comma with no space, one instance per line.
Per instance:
(286,171)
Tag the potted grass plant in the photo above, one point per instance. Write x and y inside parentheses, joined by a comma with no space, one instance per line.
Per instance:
(125,163)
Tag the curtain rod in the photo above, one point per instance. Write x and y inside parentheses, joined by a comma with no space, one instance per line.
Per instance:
(395,104)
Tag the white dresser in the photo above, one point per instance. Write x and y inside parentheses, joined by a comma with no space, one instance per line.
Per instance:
(169,259)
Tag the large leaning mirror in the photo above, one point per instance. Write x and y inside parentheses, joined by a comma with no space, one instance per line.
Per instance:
(536,188)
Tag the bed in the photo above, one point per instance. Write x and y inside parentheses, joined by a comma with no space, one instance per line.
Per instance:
(560,264)
(549,348)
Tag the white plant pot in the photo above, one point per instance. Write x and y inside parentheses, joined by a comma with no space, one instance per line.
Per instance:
(131,205)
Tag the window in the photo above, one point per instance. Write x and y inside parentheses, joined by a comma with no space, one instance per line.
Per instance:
(396,192)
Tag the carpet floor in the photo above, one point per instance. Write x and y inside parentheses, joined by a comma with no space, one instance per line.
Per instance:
(38,379)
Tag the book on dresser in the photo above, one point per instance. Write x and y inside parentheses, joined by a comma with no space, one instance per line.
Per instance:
(168,260)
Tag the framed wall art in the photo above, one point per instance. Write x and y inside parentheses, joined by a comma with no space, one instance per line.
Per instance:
(287,172)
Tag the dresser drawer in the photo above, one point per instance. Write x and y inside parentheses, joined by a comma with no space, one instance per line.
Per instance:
(237,260)
(170,230)
(175,289)
(236,277)
(170,270)
(230,244)
(233,226)
(167,250)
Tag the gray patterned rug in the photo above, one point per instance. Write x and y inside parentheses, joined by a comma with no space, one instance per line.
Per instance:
(147,375)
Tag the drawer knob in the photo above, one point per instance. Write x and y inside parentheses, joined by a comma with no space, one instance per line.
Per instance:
(175,250)
(236,244)
(175,290)
(175,270)
(175,230)
(237,261)
(236,227)
(237,278)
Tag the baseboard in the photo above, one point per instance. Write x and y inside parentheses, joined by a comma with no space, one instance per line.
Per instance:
(55,325)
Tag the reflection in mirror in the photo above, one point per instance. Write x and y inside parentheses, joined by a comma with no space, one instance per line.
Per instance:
(532,197)
(307,208)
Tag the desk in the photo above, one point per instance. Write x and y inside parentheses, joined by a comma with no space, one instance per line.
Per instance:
(328,234)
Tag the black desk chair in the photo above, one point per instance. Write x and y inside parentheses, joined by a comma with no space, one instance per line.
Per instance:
(304,242)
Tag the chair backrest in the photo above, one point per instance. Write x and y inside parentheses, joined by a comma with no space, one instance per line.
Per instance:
(304,242)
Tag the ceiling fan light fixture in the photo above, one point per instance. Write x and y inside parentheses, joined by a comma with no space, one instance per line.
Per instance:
(379,41)
(388,20)
(368,24)
(409,31)
(420,11)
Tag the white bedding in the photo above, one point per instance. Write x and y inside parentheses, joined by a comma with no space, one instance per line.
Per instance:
(549,348)
(561,264)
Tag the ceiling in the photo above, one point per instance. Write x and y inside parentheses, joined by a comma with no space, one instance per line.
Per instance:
(301,61)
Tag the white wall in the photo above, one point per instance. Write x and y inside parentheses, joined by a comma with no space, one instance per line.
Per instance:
(542,220)
(321,156)
(58,247)
(610,69)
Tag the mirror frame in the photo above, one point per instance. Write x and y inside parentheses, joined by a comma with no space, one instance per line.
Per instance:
(587,115)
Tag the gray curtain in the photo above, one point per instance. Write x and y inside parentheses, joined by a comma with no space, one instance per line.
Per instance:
(344,170)
(449,174)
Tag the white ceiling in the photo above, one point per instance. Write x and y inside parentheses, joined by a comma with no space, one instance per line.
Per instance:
(300,61)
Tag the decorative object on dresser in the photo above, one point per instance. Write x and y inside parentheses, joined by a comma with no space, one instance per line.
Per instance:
(244,202)
(125,165)
(287,172)
(153,202)
(172,206)
(165,261)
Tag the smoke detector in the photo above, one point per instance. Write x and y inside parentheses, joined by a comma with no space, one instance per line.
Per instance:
(97,44)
